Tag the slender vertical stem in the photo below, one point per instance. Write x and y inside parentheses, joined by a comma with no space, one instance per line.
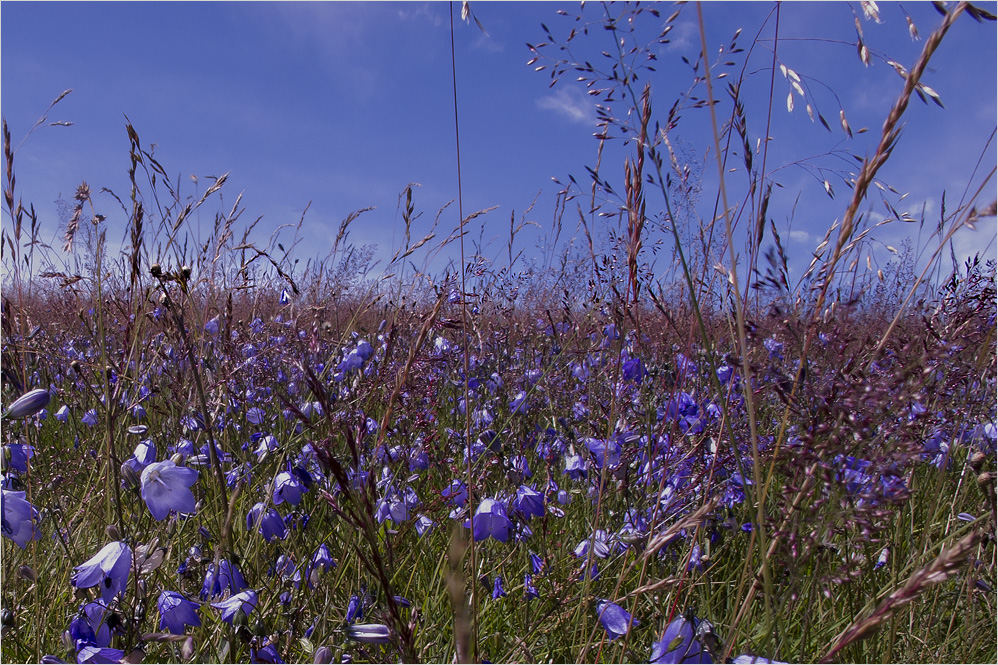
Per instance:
(742,339)
(464,349)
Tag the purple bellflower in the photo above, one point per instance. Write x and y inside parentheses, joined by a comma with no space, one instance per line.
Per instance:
(109,568)
(20,453)
(267,522)
(244,601)
(615,619)
(288,488)
(89,627)
(19,518)
(679,643)
(529,501)
(229,579)
(497,589)
(87,653)
(166,487)
(176,612)
(491,521)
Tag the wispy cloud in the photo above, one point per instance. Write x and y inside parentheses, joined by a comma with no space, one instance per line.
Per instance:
(424,11)
(571,103)
(800,236)
(488,44)
(682,36)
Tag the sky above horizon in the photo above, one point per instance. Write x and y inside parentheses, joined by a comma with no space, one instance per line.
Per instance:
(338,106)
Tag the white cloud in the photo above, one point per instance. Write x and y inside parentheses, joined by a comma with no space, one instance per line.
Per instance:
(800,236)
(682,37)
(572,103)
(425,11)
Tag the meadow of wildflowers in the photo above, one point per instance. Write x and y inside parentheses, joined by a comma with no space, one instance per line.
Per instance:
(212,455)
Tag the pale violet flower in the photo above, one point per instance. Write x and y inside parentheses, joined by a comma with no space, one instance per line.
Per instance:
(109,568)
(165,487)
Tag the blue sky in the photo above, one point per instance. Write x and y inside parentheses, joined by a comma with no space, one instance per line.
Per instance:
(343,104)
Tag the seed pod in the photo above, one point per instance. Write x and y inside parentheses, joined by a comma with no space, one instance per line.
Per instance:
(977,460)
(155,270)
(129,477)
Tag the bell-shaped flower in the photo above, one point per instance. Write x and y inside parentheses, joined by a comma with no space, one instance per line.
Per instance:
(600,540)
(28,404)
(20,453)
(267,522)
(255,415)
(529,501)
(498,591)
(491,521)
(355,610)
(604,452)
(529,590)
(267,653)
(615,619)
(62,415)
(19,518)
(89,627)
(457,492)
(244,601)
(423,524)
(176,612)
(633,370)
(679,643)
(144,455)
(576,467)
(322,560)
(165,487)
(288,488)
(88,653)
(90,417)
(109,568)
(228,579)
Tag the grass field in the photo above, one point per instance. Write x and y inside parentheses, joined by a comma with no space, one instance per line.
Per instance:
(221,456)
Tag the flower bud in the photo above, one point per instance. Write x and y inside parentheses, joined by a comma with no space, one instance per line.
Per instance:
(112,532)
(28,573)
(129,477)
(323,655)
(29,403)
(370,633)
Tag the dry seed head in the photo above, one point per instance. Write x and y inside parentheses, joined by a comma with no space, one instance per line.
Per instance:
(977,460)
(155,270)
